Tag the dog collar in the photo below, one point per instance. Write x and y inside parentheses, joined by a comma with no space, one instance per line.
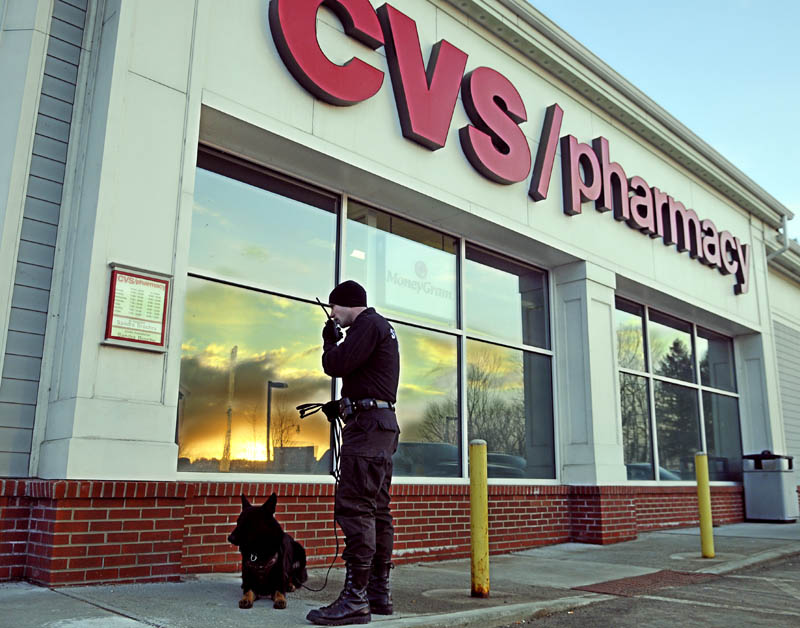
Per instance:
(266,566)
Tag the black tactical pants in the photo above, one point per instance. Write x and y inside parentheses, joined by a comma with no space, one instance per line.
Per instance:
(362,498)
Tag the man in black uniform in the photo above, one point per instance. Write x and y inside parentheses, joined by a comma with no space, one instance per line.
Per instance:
(368,361)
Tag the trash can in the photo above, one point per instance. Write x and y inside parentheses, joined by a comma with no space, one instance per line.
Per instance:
(770,488)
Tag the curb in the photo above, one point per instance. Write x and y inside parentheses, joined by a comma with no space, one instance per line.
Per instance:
(497,614)
(755,559)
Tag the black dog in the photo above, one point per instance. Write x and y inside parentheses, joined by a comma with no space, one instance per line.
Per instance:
(272,561)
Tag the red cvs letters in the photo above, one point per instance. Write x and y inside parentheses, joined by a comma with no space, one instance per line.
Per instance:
(426,96)
(294,29)
(494,144)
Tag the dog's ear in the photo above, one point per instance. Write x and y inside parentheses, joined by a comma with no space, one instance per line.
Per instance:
(245,503)
(269,505)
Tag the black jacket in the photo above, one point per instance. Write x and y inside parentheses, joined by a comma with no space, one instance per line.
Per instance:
(368,360)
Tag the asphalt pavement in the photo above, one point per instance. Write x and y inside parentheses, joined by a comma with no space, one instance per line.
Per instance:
(539,581)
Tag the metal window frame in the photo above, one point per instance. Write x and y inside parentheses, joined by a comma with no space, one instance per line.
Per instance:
(651,378)
(459,331)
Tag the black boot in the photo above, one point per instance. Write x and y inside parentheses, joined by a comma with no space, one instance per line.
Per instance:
(352,605)
(379,592)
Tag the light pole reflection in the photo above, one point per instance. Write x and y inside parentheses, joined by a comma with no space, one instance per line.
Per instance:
(270,386)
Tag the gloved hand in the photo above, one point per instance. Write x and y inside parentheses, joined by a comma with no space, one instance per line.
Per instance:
(331,332)
(331,410)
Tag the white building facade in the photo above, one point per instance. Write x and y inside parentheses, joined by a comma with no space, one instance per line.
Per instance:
(573,275)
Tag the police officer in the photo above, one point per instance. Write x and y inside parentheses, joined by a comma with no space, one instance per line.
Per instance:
(368,361)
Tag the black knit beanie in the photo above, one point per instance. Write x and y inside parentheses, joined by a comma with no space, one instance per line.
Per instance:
(348,294)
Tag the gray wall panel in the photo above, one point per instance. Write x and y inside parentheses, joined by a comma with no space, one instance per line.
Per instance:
(787,345)
(21,367)
(44,190)
(27,321)
(15,440)
(79,4)
(33,276)
(50,148)
(13,465)
(21,343)
(30,298)
(62,70)
(69,13)
(34,253)
(50,127)
(66,32)
(16,415)
(17,391)
(39,232)
(22,362)
(55,87)
(64,51)
(43,211)
(47,169)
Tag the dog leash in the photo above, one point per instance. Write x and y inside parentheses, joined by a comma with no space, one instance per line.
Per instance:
(307,409)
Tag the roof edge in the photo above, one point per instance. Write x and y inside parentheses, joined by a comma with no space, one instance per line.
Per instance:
(537,37)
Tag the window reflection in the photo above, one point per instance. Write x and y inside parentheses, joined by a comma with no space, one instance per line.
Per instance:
(716,360)
(235,342)
(678,426)
(505,299)
(267,238)
(408,270)
(427,404)
(509,405)
(723,437)
(637,443)
(630,335)
(671,347)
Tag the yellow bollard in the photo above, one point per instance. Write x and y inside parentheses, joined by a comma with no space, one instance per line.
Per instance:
(479,518)
(704,504)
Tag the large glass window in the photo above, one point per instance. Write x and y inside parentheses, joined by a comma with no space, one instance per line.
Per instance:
(723,439)
(408,270)
(262,231)
(658,387)
(263,247)
(678,425)
(505,299)
(509,405)
(427,404)
(716,360)
(630,335)
(671,347)
(247,360)
(635,402)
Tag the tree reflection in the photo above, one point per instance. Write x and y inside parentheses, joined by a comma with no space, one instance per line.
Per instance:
(676,411)
(635,418)
(497,418)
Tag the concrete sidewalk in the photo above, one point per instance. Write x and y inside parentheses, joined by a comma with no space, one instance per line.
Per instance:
(429,595)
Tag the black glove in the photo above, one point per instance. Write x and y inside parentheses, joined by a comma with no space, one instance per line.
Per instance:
(331,332)
(331,410)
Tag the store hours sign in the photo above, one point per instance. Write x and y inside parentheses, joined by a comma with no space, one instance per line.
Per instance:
(137,309)
(493,143)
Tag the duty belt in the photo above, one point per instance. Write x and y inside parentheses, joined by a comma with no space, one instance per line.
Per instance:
(370,404)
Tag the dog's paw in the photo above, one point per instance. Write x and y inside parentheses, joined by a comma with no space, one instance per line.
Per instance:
(290,588)
(247,600)
(280,600)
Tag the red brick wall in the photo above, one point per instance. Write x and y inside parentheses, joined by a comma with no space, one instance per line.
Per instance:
(14,515)
(68,532)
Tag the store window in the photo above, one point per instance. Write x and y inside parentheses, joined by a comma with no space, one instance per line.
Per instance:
(253,228)
(509,381)
(409,271)
(263,248)
(248,358)
(667,415)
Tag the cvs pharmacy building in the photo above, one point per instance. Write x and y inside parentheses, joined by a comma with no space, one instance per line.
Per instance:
(573,276)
